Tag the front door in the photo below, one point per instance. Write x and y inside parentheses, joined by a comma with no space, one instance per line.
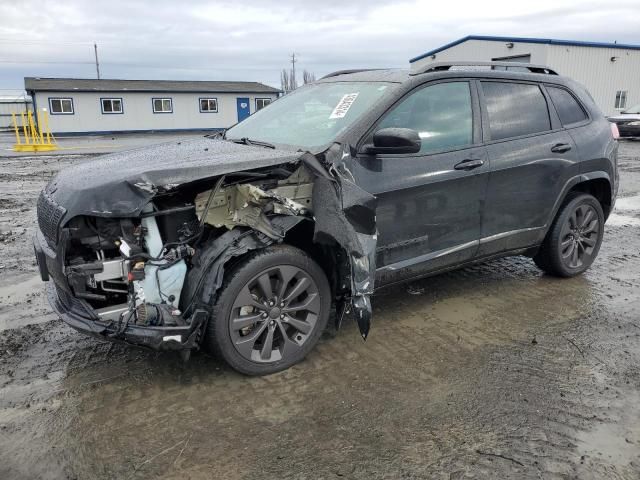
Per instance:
(243,108)
(429,203)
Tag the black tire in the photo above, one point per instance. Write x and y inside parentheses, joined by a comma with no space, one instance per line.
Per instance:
(573,241)
(242,302)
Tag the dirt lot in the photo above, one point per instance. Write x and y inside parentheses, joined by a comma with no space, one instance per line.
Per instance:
(495,371)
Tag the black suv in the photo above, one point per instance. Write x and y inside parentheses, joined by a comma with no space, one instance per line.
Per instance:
(247,241)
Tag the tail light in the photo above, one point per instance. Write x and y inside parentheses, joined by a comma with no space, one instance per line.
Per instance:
(614,131)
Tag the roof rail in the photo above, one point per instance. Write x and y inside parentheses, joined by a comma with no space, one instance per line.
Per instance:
(443,66)
(347,72)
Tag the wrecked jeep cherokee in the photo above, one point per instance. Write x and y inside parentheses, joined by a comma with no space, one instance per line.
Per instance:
(244,242)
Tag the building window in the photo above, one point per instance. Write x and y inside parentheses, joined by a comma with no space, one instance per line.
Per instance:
(261,103)
(61,106)
(621,99)
(162,105)
(209,105)
(111,105)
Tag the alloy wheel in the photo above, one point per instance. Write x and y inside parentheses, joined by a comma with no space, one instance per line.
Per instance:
(579,236)
(274,314)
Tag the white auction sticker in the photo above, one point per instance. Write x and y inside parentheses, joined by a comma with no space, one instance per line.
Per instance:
(344,105)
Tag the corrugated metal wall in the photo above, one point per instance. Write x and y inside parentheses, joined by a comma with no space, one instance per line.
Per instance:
(138,111)
(588,65)
(482,50)
(9,106)
(594,69)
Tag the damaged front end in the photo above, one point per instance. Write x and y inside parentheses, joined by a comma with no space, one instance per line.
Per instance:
(145,267)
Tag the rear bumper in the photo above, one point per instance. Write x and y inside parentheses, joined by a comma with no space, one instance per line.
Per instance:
(629,131)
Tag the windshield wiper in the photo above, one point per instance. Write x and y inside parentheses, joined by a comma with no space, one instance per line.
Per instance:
(248,141)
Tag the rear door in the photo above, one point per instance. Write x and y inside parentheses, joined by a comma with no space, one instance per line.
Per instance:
(429,203)
(532,157)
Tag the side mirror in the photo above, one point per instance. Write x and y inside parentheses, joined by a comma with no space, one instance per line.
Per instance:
(394,140)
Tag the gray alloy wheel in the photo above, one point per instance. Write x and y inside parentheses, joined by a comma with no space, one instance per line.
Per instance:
(579,236)
(270,312)
(274,314)
(573,241)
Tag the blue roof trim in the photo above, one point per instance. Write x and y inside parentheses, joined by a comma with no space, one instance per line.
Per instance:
(548,41)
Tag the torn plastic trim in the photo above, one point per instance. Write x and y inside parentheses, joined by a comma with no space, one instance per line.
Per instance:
(348,217)
(205,278)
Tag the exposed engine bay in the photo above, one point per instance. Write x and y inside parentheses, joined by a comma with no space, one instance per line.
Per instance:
(149,269)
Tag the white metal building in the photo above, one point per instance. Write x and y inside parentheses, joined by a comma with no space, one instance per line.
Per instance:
(610,71)
(87,106)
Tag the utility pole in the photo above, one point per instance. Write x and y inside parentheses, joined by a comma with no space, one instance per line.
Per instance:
(293,69)
(95,50)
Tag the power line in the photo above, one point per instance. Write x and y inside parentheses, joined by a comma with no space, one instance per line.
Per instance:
(58,62)
(42,42)
(136,65)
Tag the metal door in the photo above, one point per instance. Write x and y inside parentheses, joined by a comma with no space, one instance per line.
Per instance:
(243,108)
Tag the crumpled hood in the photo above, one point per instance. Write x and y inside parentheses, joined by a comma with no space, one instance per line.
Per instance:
(121,184)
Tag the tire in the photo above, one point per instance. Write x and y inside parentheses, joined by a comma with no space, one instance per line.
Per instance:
(573,241)
(258,338)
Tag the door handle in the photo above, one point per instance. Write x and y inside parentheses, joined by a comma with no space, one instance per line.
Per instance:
(561,148)
(468,164)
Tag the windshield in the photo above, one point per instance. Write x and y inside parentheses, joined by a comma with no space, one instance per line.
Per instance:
(635,109)
(313,115)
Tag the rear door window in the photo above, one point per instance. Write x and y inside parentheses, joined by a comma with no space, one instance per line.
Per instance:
(568,108)
(515,109)
(441,114)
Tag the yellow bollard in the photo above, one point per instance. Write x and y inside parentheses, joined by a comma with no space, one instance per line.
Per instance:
(15,128)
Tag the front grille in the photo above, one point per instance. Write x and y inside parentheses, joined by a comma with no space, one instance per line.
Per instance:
(49,216)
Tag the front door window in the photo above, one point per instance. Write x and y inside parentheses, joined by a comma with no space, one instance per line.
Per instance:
(441,114)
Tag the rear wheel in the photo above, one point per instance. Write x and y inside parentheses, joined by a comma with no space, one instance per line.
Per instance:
(573,242)
(270,311)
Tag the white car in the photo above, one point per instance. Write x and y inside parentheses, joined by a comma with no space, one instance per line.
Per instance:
(628,122)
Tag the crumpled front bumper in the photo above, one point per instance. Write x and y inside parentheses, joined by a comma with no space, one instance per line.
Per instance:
(80,315)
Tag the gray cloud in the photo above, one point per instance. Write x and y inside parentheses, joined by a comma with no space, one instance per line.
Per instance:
(252,39)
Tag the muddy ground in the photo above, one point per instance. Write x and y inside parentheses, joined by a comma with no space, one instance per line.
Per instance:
(494,371)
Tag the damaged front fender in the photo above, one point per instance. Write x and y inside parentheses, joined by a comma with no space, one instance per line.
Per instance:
(347,217)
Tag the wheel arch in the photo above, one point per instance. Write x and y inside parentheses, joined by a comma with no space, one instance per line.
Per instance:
(597,183)
(331,257)
(599,186)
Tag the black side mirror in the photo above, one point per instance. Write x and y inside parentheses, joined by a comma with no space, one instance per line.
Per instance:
(394,140)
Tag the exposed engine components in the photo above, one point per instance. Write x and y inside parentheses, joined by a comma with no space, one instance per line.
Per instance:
(163,276)
(153,315)
(249,204)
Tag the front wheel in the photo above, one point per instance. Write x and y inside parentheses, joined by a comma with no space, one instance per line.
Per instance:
(573,242)
(270,312)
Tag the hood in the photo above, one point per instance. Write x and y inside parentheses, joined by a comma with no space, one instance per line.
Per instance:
(121,184)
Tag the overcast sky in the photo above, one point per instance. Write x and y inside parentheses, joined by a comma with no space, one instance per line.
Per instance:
(253,39)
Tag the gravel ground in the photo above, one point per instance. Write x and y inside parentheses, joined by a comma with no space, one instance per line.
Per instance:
(494,371)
